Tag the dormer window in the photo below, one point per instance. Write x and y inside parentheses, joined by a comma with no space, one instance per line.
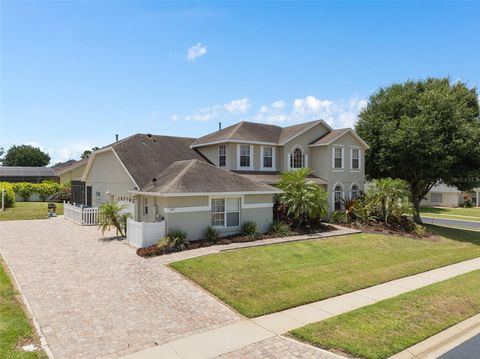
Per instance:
(222,156)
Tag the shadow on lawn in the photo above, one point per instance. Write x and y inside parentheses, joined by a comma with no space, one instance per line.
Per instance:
(455,234)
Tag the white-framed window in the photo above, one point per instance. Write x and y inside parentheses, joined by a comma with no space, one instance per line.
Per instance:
(245,154)
(354,191)
(338,155)
(145,206)
(297,158)
(225,212)
(337,196)
(222,155)
(268,157)
(436,197)
(355,158)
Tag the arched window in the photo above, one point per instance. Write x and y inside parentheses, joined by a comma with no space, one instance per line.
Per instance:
(337,197)
(354,191)
(297,159)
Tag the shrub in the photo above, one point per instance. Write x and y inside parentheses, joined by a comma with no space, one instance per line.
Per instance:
(175,241)
(46,189)
(23,189)
(249,228)
(339,217)
(109,215)
(211,234)
(420,230)
(64,192)
(280,228)
(9,194)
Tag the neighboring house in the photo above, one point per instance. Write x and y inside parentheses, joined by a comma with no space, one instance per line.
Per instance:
(27,174)
(447,196)
(222,179)
(72,171)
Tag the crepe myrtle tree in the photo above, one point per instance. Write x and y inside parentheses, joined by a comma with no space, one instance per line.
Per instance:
(423,132)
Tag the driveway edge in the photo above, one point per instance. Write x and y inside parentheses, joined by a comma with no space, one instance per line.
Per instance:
(43,341)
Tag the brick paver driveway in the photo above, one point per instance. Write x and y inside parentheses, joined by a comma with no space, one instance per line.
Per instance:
(94,298)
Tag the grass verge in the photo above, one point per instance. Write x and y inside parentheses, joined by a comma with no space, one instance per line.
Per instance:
(267,279)
(15,328)
(28,210)
(390,326)
(467,214)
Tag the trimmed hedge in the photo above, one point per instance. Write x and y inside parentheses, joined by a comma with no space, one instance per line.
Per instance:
(9,194)
(45,190)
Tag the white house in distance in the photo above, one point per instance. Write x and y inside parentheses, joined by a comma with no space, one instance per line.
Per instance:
(447,196)
(224,178)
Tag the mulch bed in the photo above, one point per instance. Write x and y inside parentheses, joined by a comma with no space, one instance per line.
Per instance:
(381,228)
(154,250)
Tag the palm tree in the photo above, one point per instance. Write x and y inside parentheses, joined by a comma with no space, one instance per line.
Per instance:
(109,215)
(304,199)
(391,197)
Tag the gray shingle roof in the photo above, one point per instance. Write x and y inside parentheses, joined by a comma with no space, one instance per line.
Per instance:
(14,171)
(70,166)
(195,176)
(255,132)
(144,156)
(273,178)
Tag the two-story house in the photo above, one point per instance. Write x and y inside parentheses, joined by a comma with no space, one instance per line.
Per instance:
(261,152)
(224,178)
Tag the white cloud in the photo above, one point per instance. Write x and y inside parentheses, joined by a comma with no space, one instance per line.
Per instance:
(227,110)
(195,51)
(238,106)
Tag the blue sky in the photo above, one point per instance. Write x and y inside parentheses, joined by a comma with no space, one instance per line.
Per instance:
(73,74)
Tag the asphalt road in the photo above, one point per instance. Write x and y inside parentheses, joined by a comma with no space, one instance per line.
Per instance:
(452,223)
(467,350)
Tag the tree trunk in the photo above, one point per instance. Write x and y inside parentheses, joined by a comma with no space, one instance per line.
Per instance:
(416,214)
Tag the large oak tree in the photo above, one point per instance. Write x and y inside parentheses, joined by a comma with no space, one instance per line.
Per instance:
(424,132)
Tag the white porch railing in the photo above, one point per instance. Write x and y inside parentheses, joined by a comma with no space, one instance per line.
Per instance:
(80,215)
(141,234)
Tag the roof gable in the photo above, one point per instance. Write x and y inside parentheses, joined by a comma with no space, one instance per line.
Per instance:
(334,135)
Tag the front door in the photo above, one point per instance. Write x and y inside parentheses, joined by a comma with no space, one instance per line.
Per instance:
(89,196)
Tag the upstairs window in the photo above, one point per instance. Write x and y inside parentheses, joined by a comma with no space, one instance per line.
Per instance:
(245,155)
(338,157)
(355,158)
(267,157)
(297,159)
(222,155)
(145,206)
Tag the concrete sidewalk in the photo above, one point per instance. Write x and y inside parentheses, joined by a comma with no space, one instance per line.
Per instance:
(443,342)
(230,338)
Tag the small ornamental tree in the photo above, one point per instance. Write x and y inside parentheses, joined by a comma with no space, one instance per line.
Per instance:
(303,199)
(423,132)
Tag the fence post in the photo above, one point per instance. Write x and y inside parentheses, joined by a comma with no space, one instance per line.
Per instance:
(3,199)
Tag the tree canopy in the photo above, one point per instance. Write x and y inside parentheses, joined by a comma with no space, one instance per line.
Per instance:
(87,153)
(423,132)
(26,156)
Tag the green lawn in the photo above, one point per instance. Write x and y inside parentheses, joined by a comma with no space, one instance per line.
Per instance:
(390,326)
(267,279)
(28,210)
(14,325)
(468,214)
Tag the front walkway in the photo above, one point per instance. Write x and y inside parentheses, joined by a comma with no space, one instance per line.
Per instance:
(237,338)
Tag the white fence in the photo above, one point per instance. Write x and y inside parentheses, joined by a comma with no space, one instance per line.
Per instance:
(80,215)
(141,234)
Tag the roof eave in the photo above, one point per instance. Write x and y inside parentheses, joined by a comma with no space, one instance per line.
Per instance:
(190,194)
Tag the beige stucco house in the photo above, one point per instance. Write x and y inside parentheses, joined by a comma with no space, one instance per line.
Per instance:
(447,196)
(224,178)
